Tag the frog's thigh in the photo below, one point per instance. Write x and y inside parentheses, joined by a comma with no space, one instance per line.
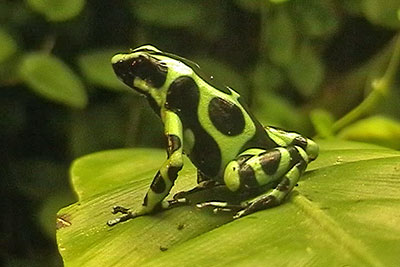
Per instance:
(274,197)
(257,167)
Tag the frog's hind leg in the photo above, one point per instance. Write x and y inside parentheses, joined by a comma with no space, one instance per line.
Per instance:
(257,168)
(277,195)
(203,183)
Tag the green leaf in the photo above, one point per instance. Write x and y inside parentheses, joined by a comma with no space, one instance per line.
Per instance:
(323,122)
(280,37)
(274,110)
(177,13)
(7,44)
(278,1)
(267,77)
(57,10)
(377,129)
(96,67)
(306,70)
(353,7)
(255,5)
(53,79)
(382,12)
(250,5)
(317,18)
(344,212)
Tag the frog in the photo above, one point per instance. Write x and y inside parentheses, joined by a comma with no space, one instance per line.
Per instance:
(211,124)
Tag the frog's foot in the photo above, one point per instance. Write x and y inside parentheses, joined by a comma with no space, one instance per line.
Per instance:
(176,202)
(277,195)
(243,209)
(119,209)
(221,206)
(263,202)
(127,215)
(204,185)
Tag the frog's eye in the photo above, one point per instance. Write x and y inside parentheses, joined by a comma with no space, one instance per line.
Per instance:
(151,70)
(143,67)
(146,68)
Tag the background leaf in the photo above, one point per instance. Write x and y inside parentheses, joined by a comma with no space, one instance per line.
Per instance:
(57,10)
(322,121)
(185,13)
(306,71)
(280,37)
(316,17)
(382,12)
(366,131)
(51,78)
(344,212)
(277,111)
(97,69)
(7,44)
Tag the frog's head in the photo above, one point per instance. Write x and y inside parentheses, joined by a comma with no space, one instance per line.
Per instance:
(141,69)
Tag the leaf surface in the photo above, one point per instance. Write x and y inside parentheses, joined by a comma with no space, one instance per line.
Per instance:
(344,212)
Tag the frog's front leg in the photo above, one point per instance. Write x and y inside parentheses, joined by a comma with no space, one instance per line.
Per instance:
(257,168)
(165,177)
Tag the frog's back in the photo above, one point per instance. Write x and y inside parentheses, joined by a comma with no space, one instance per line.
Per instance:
(217,126)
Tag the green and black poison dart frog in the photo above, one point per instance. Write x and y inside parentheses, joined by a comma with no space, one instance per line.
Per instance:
(215,129)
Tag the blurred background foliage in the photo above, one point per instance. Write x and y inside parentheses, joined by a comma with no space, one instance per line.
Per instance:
(326,68)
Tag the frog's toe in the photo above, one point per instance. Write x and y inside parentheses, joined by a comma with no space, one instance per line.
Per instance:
(239,214)
(119,209)
(126,217)
(215,204)
(219,206)
(181,201)
(217,210)
(180,195)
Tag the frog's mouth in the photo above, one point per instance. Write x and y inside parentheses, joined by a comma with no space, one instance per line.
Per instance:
(128,67)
